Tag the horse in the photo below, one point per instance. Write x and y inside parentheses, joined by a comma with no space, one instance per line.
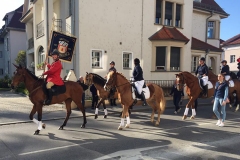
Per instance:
(193,89)
(234,92)
(124,87)
(34,86)
(99,82)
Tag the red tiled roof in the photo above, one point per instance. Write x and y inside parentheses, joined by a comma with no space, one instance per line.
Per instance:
(203,46)
(232,41)
(166,33)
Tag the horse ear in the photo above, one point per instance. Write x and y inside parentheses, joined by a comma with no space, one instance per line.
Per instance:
(15,65)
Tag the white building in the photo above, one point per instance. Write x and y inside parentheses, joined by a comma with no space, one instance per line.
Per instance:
(168,36)
(14,36)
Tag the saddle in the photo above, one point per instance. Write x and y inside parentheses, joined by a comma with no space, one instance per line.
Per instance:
(56,90)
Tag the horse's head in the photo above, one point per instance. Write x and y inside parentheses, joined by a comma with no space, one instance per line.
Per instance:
(19,76)
(88,80)
(180,81)
(111,80)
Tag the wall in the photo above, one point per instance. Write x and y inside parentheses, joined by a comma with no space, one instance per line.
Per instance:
(232,50)
(2,66)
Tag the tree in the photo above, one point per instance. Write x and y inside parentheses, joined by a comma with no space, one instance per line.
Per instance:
(21,58)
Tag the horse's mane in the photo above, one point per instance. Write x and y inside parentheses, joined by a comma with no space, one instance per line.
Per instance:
(122,75)
(98,79)
(32,74)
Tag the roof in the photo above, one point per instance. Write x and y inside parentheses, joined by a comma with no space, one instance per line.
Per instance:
(203,46)
(166,33)
(209,5)
(221,41)
(232,41)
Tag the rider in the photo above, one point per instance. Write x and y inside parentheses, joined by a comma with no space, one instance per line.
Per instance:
(53,75)
(225,70)
(112,91)
(138,79)
(202,72)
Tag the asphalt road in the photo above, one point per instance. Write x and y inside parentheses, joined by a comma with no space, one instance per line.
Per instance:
(173,139)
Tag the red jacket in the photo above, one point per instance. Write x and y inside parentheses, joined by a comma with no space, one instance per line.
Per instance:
(53,73)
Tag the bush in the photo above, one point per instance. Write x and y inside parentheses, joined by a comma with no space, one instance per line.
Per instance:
(5,82)
(22,89)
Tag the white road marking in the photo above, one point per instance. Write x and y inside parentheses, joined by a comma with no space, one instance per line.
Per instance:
(51,149)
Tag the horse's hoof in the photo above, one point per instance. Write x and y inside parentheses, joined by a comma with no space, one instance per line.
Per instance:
(192,117)
(105,116)
(120,128)
(44,126)
(60,128)
(127,126)
(83,126)
(37,132)
(96,116)
(237,109)
(184,117)
(157,124)
(152,120)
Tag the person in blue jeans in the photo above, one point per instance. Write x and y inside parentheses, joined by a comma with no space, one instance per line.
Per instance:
(177,95)
(220,99)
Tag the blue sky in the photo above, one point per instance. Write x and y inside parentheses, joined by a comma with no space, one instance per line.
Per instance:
(230,26)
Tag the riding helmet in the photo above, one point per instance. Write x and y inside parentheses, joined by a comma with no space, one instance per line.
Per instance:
(224,61)
(112,62)
(55,52)
(136,61)
(202,59)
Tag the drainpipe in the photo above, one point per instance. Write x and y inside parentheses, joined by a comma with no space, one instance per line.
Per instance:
(47,29)
(208,50)
(74,54)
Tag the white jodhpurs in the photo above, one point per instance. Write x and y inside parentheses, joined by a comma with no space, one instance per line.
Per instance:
(139,86)
(227,77)
(205,80)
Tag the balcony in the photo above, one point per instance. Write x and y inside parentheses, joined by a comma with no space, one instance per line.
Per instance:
(40,29)
(58,25)
(30,43)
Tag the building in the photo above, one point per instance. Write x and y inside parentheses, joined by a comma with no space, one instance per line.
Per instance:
(14,38)
(232,52)
(168,36)
(2,58)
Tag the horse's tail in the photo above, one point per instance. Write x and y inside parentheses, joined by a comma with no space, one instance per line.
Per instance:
(162,101)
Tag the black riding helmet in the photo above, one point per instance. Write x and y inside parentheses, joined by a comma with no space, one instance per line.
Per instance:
(55,52)
(224,61)
(136,61)
(112,62)
(202,59)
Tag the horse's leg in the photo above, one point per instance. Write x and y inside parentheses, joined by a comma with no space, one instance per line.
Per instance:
(80,106)
(193,111)
(96,110)
(105,110)
(187,108)
(39,111)
(122,119)
(69,111)
(128,118)
(34,110)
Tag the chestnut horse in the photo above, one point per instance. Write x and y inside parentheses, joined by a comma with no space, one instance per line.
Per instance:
(37,96)
(193,89)
(99,82)
(124,88)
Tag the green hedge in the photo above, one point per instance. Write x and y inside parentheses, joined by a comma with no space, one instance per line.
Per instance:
(5,82)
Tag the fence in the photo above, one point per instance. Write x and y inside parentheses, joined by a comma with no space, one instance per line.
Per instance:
(40,29)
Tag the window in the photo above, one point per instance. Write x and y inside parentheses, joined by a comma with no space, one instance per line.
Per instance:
(127,59)
(195,63)
(158,19)
(232,58)
(1,55)
(41,55)
(70,7)
(178,15)
(168,13)
(1,71)
(96,58)
(160,58)
(210,29)
(175,59)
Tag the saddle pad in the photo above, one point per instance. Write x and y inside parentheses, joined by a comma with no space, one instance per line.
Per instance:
(58,89)
(210,85)
(145,91)
(231,83)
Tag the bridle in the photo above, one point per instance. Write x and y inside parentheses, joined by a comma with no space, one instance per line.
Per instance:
(113,80)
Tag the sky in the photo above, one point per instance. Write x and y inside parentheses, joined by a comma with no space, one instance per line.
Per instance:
(229,26)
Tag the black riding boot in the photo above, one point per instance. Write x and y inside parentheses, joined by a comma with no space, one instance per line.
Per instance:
(49,97)
(111,102)
(144,99)
(114,102)
(205,91)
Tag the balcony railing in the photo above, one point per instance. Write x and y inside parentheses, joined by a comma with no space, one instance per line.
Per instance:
(40,29)
(68,29)
(58,25)
(30,43)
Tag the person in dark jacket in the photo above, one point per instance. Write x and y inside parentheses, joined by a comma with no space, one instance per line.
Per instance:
(225,70)
(138,79)
(94,96)
(202,72)
(113,90)
(177,95)
(85,87)
(220,99)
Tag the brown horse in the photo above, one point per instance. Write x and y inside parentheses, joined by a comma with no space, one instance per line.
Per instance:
(193,89)
(99,82)
(234,92)
(37,96)
(124,88)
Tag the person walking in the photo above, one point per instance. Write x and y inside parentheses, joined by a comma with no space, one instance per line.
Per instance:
(220,99)
(177,95)
(93,90)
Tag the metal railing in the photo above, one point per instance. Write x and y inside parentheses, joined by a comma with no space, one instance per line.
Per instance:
(68,29)
(40,29)
(30,43)
(58,25)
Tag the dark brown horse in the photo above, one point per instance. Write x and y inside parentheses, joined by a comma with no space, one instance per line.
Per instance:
(124,88)
(99,82)
(37,96)
(234,92)
(193,89)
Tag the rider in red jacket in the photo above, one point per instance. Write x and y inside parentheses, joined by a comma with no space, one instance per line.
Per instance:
(53,75)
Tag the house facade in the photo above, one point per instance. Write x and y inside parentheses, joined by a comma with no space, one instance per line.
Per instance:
(2,58)
(232,52)
(168,36)
(14,38)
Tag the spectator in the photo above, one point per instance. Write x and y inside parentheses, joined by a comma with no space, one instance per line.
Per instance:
(176,97)
(94,96)
(85,87)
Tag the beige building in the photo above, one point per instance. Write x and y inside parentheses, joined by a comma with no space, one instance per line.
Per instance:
(168,36)
(232,52)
